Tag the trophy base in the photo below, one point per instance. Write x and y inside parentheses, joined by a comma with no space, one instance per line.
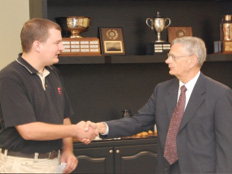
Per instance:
(159,41)
(155,47)
(88,46)
(76,36)
(217,46)
(226,47)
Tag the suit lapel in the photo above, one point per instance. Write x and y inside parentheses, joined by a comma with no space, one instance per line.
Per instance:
(171,98)
(196,99)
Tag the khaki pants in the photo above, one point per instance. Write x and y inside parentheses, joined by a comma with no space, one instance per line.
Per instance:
(11,164)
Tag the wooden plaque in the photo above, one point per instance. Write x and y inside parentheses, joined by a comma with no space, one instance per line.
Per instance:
(88,46)
(112,41)
(174,32)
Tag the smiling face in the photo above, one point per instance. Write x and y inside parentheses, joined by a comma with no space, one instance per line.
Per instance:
(51,48)
(180,62)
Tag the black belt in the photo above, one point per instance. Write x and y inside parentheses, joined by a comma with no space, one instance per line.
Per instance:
(49,155)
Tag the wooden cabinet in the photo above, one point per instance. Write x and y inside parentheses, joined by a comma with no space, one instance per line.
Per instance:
(95,160)
(118,157)
(135,159)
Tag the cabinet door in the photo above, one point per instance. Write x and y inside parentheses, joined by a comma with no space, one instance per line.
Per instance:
(139,159)
(94,160)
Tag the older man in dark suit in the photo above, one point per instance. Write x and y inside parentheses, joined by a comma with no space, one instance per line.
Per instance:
(193,114)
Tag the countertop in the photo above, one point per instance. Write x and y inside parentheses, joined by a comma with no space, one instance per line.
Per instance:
(117,142)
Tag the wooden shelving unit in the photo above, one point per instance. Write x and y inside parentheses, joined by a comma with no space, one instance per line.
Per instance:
(157,58)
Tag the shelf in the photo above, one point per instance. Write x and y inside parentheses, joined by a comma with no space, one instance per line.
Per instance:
(122,142)
(160,58)
(81,60)
(131,59)
(219,57)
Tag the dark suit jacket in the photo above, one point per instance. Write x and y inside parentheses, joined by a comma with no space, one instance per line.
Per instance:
(204,140)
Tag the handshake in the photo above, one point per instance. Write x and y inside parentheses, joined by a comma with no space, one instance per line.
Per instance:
(87,131)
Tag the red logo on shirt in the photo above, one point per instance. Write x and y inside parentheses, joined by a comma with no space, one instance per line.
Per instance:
(59,90)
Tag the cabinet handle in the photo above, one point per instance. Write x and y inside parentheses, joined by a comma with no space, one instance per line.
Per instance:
(117,151)
(111,151)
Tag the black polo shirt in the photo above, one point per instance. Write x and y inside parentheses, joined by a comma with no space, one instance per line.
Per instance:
(24,100)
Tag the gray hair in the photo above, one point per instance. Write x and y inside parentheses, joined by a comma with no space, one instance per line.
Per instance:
(194,45)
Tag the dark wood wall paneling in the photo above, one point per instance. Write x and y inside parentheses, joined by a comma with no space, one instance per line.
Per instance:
(101,91)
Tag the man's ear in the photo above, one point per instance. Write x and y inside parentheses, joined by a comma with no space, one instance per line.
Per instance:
(36,46)
(193,60)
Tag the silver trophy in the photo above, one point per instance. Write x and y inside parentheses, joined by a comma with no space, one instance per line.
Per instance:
(158,24)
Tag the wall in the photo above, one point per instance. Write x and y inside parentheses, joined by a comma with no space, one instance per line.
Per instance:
(13,15)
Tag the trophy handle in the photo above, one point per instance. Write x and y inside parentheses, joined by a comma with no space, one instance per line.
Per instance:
(169,22)
(90,26)
(149,23)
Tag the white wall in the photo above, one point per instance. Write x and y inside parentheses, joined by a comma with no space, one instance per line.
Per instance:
(14,13)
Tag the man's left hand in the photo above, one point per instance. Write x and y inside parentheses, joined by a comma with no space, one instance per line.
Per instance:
(70,159)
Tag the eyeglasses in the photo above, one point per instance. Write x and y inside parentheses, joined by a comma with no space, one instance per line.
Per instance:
(175,57)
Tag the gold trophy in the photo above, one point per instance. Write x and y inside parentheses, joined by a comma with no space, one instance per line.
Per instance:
(77,25)
(159,24)
(76,45)
(226,33)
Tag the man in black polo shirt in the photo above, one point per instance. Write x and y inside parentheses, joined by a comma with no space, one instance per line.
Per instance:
(36,131)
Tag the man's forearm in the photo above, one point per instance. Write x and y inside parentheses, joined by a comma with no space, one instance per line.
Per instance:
(67,142)
(44,131)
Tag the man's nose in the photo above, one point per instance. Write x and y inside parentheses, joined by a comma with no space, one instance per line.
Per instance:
(168,60)
(61,46)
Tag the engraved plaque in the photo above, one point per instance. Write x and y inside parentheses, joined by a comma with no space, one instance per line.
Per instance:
(81,46)
(161,47)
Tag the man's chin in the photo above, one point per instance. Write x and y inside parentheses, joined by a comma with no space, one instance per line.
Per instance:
(171,73)
(56,60)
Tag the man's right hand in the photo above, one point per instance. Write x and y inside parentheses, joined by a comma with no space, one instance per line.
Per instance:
(86,131)
(101,127)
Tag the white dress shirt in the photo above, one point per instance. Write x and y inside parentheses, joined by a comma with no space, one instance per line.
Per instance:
(189,85)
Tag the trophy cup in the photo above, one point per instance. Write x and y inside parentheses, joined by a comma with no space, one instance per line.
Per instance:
(226,33)
(159,24)
(77,25)
(76,45)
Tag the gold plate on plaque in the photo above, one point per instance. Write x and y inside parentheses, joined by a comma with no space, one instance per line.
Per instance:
(88,46)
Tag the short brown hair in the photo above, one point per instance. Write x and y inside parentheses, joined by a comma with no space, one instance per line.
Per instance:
(36,29)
